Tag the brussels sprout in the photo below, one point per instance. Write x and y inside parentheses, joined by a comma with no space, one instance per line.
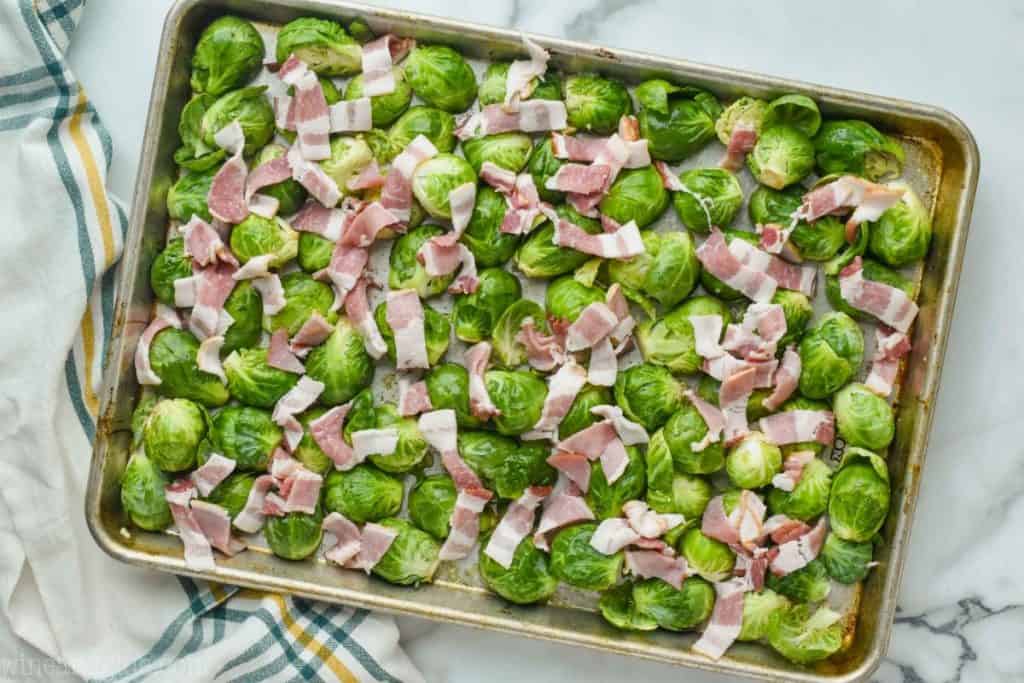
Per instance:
(412,558)
(830,355)
(857,147)
(187,196)
(142,493)
(797,309)
(748,110)
(194,154)
(782,156)
(435,178)
(436,327)
(475,315)
(363,494)
(173,358)
(303,297)
(636,195)
(250,108)
(492,87)
(804,637)
(543,164)
(169,265)
(526,581)
(253,381)
(431,503)
(672,608)
(385,108)
(579,416)
(406,272)
(619,609)
(322,44)
(296,535)
(712,284)
(574,561)
(245,306)
(519,396)
(713,196)
(903,233)
(233,493)
(753,462)
(669,341)
(668,491)
(507,348)
(412,448)
(566,298)
(315,252)
(341,363)
(798,111)
(308,452)
(484,452)
(606,500)
(436,125)
(859,500)
(257,235)
(349,156)
(229,53)
(648,394)
(527,465)
(759,609)
(846,561)
(864,418)
(147,399)
(507,150)
(808,584)
(667,271)
(441,77)
(677,122)
(540,257)
(817,241)
(483,236)
(810,496)
(595,104)
(246,435)
(711,559)
(448,387)
(685,428)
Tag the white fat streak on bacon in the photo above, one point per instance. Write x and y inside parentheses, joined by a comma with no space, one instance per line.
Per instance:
(357,308)
(464,523)
(623,244)
(257,266)
(312,177)
(563,507)
(344,270)
(726,619)
(603,367)
(226,198)
(342,539)
(230,138)
(165,317)
(748,520)
(461,201)
(722,367)
(313,332)
(280,356)
(499,178)
(413,397)
(614,460)
(375,541)
(251,518)
(263,205)
(741,141)
(440,430)
(890,347)
(312,119)
(211,473)
(532,116)
(271,293)
(326,433)
(362,230)
(732,399)
(406,318)
(368,442)
(889,304)
(594,323)
(612,535)
(792,470)
(543,352)
(215,524)
(515,525)
(713,418)
(320,220)
(304,492)
(284,112)
(591,441)
(185,291)
(519,82)
(396,195)
(650,523)
(300,397)
(475,360)
(351,116)
(208,358)
(798,553)
(575,466)
(718,260)
(198,553)
(787,275)
(797,426)
(655,564)
(786,378)
(631,433)
(563,386)
(707,332)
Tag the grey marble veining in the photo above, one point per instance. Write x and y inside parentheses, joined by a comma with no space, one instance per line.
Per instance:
(962,599)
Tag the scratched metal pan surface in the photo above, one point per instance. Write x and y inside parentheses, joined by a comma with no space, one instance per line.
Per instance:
(942,166)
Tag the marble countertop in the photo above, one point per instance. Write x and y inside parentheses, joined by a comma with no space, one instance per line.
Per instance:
(962,600)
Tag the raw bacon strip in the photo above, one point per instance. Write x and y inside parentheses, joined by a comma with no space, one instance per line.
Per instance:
(519,83)
(726,620)
(869,201)
(362,230)
(313,332)
(374,543)
(574,466)
(342,539)
(204,244)
(782,529)
(264,205)
(774,238)
(215,524)
(357,308)
(499,178)
(797,426)
(211,473)
(787,376)
(579,179)
(257,266)
(397,193)
(629,432)
(351,116)
(292,70)
(889,304)
(250,519)
(230,138)
(284,112)
(604,364)
(465,523)
(581,148)
(741,141)
(326,432)
(301,396)
(271,293)
(792,470)
(748,519)
(308,174)
(717,258)
(344,270)
(405,316)
(212,290)
(368,442)
(476,360)
(304,492)
(614,460)
(532,116)
(592,441)
(198,553)
(653,564)
(787,275)
(732,399)
(379,57)
(594,323)
(543,352)
(266,174)
(707,331)
(165,317)
(368,179)
(717,525)
(612,535)
(185,291)
(649,523)
(413,398)
(798,553)
(563,386)
(713,418)
(890,347)
(226,198)
(320,220)
(440,430)
(208,357)
(442,255)
(274,505)
(720,368)
(756,339)
(563,507)
(282,464)
(461,201)
(515,525)
(312,119)
(280,356)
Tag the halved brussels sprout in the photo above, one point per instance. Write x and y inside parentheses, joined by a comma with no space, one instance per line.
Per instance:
(315,252)
(483,236)
(759,609)
(507,348)
(859,500)
(322,44)
(782,156)
(669,340)
(412,448)
(648,394)
(142,493)
(434,124)
(904,232)
(713,196)
(685,428)
(711,559)
(187,196)
(303,297)
(435,178)
(606,500)
(349,156)
(412,558)
(830,355)
(753,462)
(341,363)
(233,493)
(574,561)
(289,193)
(846,561)
(672,608)
(173,358)
(712,284)
(857,147)
(256,236)
(527,465)
(519,396)
(406,272)
(540,257)
(799,111)
(797,309)
(595,104)
(169,265)
(669,491)
(363,494)
(543,164)
(618,609)
(579,416)
(436,326)
(507,150)
(565,298)
(250,107)
(808,584)
(448,387)
(246,435)
(385,108)
(229,53)
(864,418)
(441,77)
(245,306)
(492,87)
(475,315)
(817,241)
(296,535)
(746,110)
(810,496)
(194,154)
(667,271)
(251,380)
(636,195)
(362,415)
(484,452)
(803,636)
(431,503)
(527,580)
(677,122)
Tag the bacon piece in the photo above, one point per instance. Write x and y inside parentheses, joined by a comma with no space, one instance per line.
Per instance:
(563,386)
(313,332)
(215,284)
(250,519)
(531,116)
(543,352)
(792,470)
(301,396)
(367,442)
(379,57)
(741,141)
(574,466)
(797,426)
(369,178)
(440,429)
(604,364)
(581,148)
(591,441)
(707,331)
(756,339)
(787,275)
(344,271)
(787,376)
(726,620)
(271,293)
(226,198)
(405,316)
(716,524)
(364,228)
(782,529)
(312,118)
(211,473)
(442,256)
(465,523)
(519,83)
(263,205)
(774,238)
(461,201)
(499,178)
(326,431)
(614,460)
(208,357)
(204,244)
(413,398)
(890,347)
(719,260)
(198,553)
(282,464)
(579,179)
(230,138)
(292,70)
(629,432)
(257,266)
(563,507)
(342,539)
(594,323)
(889,304)
(351,116)
(722,367)
(165,317)
(476,360)
(612,535)
(649,523)
(397,193)
(798,553)
(215,524)
(266,174)
(653,564)
(274,505)
(304,492)
(515,525)
(375,542)
(312,177)
(869,201)
(713,418)
(732,399)
(320,220)
(280,356)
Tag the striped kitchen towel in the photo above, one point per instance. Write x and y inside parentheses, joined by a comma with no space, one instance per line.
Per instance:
(61,236)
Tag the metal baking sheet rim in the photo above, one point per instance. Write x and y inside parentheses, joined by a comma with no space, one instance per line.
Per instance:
(854,103)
